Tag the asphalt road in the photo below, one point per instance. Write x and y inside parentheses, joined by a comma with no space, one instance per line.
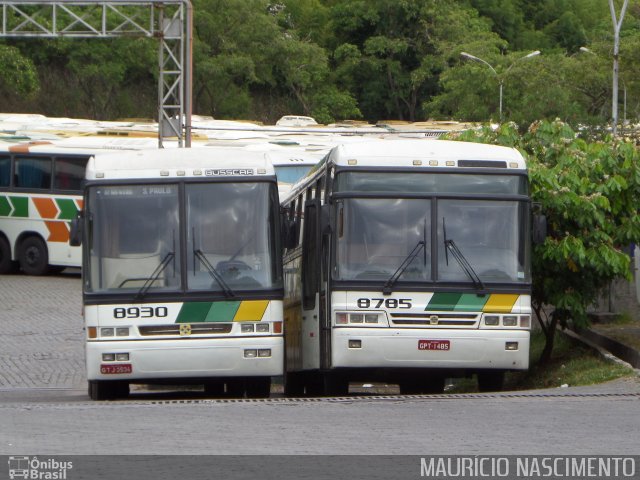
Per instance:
(44,408)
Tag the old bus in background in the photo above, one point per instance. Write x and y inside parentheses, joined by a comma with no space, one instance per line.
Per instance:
(182,271)
(40,193)
(407,261)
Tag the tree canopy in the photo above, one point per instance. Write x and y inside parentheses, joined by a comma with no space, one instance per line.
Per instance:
(589,192)
(340,59)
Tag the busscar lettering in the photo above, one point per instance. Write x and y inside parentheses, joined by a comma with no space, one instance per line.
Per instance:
(228,172)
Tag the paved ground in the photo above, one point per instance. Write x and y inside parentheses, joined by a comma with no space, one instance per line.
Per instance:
(41,336)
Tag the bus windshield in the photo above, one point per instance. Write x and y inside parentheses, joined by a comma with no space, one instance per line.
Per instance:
(230,238)
(140,229)
(136,234)
(376,235)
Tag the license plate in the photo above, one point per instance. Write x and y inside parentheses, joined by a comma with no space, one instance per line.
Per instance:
(116,369)
(442,345)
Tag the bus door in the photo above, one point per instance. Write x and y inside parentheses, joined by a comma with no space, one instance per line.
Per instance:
(311,325)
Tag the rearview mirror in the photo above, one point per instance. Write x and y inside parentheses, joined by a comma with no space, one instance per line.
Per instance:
(75,236)
(539,229)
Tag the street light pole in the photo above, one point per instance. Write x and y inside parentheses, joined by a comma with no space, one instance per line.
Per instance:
(499,77)
(617,25)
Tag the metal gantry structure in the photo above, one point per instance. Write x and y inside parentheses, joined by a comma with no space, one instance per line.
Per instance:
(170,21)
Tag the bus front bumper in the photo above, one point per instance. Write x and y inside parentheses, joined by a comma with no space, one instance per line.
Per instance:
(430,348)
(189,358)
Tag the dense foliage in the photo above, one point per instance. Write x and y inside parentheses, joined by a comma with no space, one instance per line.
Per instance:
(589,192)
(338,59)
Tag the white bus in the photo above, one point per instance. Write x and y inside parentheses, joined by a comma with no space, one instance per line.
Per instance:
(40,193)
(408,262)
(182,271)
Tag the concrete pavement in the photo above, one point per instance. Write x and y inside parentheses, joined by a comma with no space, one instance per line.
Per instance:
(41,336)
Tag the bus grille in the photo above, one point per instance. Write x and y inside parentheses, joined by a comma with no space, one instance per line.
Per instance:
(436,320)
(196,329)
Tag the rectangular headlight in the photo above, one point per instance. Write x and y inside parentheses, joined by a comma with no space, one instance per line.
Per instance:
(262,327)
(106,332)
(252,353)
(264,352)
(108,357)
(491,320)
(246,327)
(122,357)
(122,332)
(509,320)
(371,318)
(356,318)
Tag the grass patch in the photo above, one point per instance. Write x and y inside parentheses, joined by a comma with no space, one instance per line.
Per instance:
(572,363)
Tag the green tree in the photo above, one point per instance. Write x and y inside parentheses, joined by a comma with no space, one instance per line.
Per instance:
(250,62)
(18,75)
(589,192)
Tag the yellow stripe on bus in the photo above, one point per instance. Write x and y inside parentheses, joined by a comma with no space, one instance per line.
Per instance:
(251,311)
(500,303)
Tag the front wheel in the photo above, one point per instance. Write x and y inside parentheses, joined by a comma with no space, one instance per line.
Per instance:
(105,390)
(258,387)
(34,256)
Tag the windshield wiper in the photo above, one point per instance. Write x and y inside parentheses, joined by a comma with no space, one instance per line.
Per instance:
(450,246)
(154,276)
(199,254)
(387,288)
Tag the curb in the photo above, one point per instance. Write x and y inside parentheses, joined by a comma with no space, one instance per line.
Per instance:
(610,349)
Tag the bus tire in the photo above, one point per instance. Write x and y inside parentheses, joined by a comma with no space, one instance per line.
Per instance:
(103,390)
(336,385)
(7,265)
(490,381)
(293,384)
(258,387)
(34,256)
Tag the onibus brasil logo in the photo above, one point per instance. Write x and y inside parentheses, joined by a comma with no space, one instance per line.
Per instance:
(38,469)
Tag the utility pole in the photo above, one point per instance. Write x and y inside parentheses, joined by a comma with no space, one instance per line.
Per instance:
(617,25)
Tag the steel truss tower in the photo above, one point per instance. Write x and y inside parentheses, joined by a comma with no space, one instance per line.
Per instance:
(170,21)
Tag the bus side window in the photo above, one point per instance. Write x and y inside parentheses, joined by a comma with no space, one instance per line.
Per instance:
(298,219)
(69,173)
(5,171)
(310,257)
(33,173)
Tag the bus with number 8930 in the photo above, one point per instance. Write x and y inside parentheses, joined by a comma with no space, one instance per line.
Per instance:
(182,271)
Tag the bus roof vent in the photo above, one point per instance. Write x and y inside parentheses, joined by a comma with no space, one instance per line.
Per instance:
(482,164)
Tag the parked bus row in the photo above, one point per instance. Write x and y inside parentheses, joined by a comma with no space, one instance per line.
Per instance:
(41,191)
(42,164)
(403,261)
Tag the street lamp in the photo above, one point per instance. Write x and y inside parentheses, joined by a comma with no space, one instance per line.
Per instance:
(614,95)
(504,74)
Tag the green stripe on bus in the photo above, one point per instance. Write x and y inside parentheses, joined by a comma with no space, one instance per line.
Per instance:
(21,206)
(222,311)
(200,312)
(193,312)
(443,301)
(68,209)
(5,207)
(470,302)
(458,302)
